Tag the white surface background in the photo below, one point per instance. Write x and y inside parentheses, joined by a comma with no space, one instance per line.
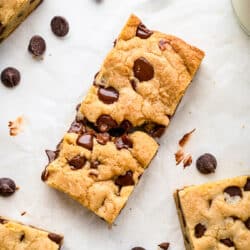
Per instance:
(217,105)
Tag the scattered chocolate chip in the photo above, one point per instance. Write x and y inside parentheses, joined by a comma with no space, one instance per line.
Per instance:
(7,187)
(123,142)
(125,180)
(143,69)
(143,32)
(94,164)
(52,155)
(133,84)
(247,185)
(206,164)
(247,223)
(108,95)
(126,125)
(227,242)
(105,123)
(10,77)
(76,127)
(157,131)
(102,138)
(59,26)
(86,141)
(199,230)
(45,175)
(233,191)
(77,162)
(56,238)
(22,237)
(164,245)
(37,46)
(2,28)
(138,248)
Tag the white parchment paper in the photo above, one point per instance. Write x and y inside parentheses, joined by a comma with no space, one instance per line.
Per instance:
(217,105)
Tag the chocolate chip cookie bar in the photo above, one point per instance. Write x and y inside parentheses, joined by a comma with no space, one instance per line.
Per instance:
(16,236)
(216,215)
(111,142)
(13,12)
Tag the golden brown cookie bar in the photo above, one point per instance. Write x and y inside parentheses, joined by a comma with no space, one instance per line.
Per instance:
(13,12)
(216,215)
(16,236)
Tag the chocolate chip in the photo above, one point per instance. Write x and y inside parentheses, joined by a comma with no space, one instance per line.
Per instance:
(86,141)
(158,131)
(199,230)
(56,238)
(78,106)
(126,125)
(94,164)
(45,175)
(37,46)
(76,127)
(164,245)
(59,26)
(105,123)
(10,77)
(247,223)
(162,44)
(52,155)
(22,237)
(143,32)
(133,84)
(233,191)
(247,185)
(3,221)
(7,187)
(138,248)
(77,162)
(206,164)
(123,142)
(125,180)
(2,28)
(143,69)
(227,242)
(102,138)
(108,95)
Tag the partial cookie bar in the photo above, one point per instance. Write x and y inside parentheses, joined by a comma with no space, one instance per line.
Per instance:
(13,12)
(16,236)
(143,78)
(216,215)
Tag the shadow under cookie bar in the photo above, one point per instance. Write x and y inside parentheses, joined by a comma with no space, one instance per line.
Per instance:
(15,235)
(12,13)
(215,215)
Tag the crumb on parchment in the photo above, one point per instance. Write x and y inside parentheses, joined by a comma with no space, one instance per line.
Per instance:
(16,126)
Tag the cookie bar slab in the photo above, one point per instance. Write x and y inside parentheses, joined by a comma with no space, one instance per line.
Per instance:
(17,236)
(216,215)
(13,12)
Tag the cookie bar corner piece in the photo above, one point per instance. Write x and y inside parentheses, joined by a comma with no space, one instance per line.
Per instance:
(12,13)
(215,215)
(15,235)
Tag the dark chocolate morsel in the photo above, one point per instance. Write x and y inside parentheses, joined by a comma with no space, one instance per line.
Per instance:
(233,191)
(126,125)
(138,248)
(206,164)
(76,127)
(86,141)
(56,238)
(2,220)
(108,95)
(59,26)
(45,175)
(143,69)
(22,237)
(77,162)
(94,164)
(247,185)
(105,123)
(7,187)
(158,131)
(247,223)
(125,180)
(143,32)
(164,245)
(199,230)
(123,142)
(52,155)
(102,138)
(227,242)
(10,77)
(37,46)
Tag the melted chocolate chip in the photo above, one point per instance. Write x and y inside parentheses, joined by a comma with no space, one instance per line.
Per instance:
(77,162)
(116,132)
(114,43)
(76,127)
(94,164)
(247,223)
(206,164)
(10,77)
(52,155)
(164,245)
(199,230)
(133,84)
(7,187)
(37,46)
(158,131)
(162,44)
(102,138)
(22,237)
(56,238)
(143,69)
(126,125)
(2,28)
(108,95)
(138,248)
(123,142)
(125,180)
(143,32)
(227,242)
(233,191)
(247,185)
(2,220)
(105,123)
(45,175)
(86,141)
(59,26)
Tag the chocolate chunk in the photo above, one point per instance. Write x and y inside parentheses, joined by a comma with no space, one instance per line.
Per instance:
(133,84)
(37,46)
(94,164)
(199,230)
(7,187)
(138,248)
(125,180)
(247,185)
(76,127)
(164,245)
(158,131)
(105,123)
(59,26)
(227,242)
(22,237)
(86,141)
(123,142)
(206,164)
(126,125)
(143,32)
(45,175)
(143,69)
(77,162)
(56,238)
(10,77)
(233,191)
(52,155)
(247,223)
(108,95)
(102,138)
(2,28)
